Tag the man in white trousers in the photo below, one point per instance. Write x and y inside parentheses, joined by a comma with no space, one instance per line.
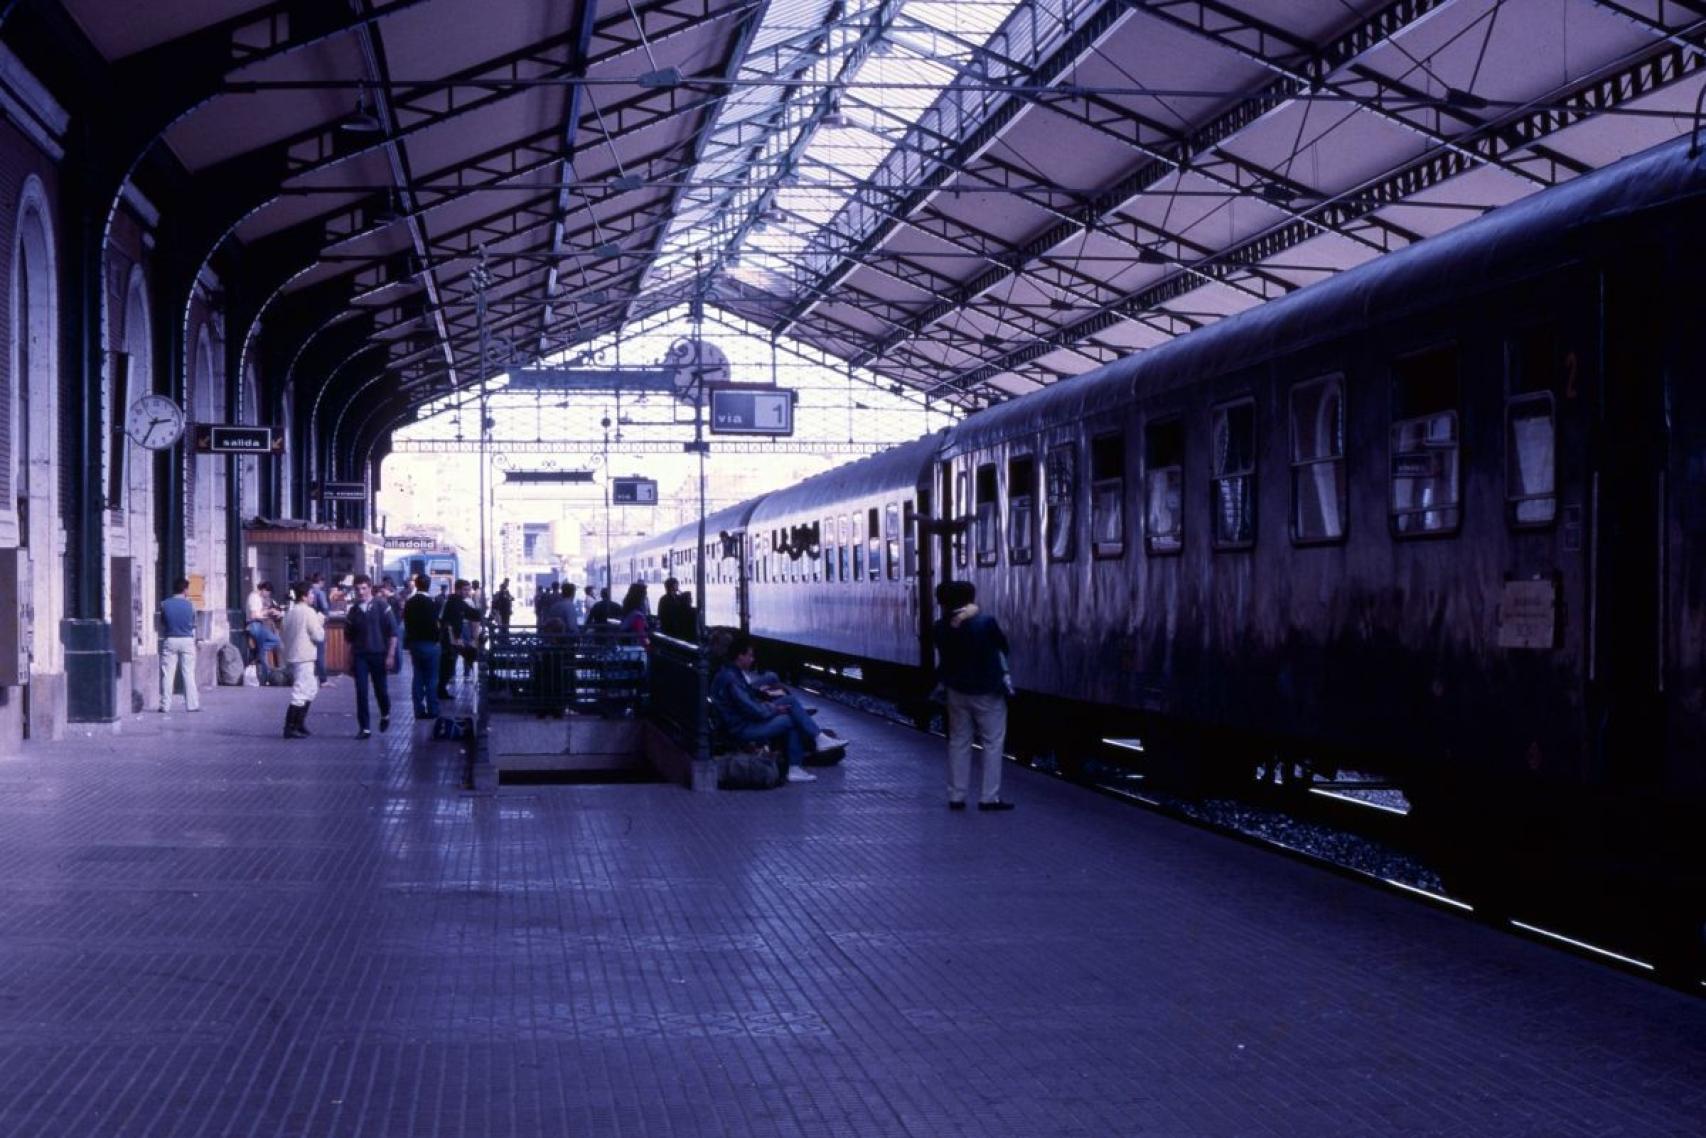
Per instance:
(177,647)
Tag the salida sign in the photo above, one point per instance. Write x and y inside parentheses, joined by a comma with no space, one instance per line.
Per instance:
(230,438)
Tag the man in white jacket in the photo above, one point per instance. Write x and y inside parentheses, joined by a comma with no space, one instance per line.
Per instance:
(304,631)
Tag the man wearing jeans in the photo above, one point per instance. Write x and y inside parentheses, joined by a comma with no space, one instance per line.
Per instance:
(971,652)
(373,643)
(753,719)
(177,647)
(420,637)
(261,613)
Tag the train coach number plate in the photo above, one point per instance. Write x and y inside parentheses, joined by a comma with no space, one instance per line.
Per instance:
(1528,614)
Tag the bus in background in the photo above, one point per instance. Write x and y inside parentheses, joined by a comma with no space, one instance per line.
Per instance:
(439,563)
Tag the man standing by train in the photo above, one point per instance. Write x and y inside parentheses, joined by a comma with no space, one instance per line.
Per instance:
(971,665)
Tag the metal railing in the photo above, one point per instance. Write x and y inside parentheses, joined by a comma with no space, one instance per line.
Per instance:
(602,672)
(678,690)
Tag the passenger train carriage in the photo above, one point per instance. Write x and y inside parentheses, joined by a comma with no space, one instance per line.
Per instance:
(835,560)
(672,554)
(1443,515)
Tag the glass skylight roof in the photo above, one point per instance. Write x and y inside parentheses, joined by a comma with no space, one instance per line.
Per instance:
(815,112)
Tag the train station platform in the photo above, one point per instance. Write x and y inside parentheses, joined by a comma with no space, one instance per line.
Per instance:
(206,930)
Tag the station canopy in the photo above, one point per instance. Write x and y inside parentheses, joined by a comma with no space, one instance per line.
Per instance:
(971,198)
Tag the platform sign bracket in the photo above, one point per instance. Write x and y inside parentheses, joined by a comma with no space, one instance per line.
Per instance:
(592,379)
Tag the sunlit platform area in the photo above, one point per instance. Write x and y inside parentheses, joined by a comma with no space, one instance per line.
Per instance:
(207,930)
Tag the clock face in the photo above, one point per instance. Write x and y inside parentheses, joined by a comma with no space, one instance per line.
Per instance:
(154,421)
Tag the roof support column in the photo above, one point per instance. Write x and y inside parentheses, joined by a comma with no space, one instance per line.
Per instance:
(91,672)
(236,343)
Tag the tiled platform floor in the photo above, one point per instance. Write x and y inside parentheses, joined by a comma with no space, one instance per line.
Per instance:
(207,931)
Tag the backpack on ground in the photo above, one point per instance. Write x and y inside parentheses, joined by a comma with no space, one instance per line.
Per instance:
(230,665)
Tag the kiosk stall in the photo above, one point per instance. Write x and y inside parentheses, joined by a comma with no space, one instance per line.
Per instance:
(286,551)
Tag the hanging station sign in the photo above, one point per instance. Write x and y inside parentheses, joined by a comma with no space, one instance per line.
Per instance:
(338,491)
(228,438)
(752,411)
(547,476)
(633,492)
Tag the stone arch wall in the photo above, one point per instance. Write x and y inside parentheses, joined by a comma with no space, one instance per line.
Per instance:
(31,489)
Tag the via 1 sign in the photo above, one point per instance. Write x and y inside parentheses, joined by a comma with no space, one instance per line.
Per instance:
(215,438)
(633,492)
(752,411)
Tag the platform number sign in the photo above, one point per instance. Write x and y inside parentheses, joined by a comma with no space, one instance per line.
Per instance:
(634,491)
(750,411)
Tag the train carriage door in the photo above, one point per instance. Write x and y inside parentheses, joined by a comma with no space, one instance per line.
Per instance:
(1628,492)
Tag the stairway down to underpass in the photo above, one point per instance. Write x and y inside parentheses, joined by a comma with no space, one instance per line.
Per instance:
(571,749)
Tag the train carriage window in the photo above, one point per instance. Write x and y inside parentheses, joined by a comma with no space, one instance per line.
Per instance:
(826,548)
(1164,486)
(1318,488)
(1021,508)
(909,539)
(841,553)
(962,504)
(1060,523)
(858,548)
(1534,362)
(1531,459)
(988,528)
(1232,434)
(874,543)
(1107,496)
(1426,493)
(891,540)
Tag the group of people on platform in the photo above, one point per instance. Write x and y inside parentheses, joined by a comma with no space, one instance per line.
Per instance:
(973,676)
(561,614)
(974,683)
(436,631)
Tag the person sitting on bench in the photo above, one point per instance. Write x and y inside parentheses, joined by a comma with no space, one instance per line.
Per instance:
(752,717)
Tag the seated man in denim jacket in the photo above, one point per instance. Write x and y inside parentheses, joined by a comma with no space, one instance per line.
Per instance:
(750,717)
